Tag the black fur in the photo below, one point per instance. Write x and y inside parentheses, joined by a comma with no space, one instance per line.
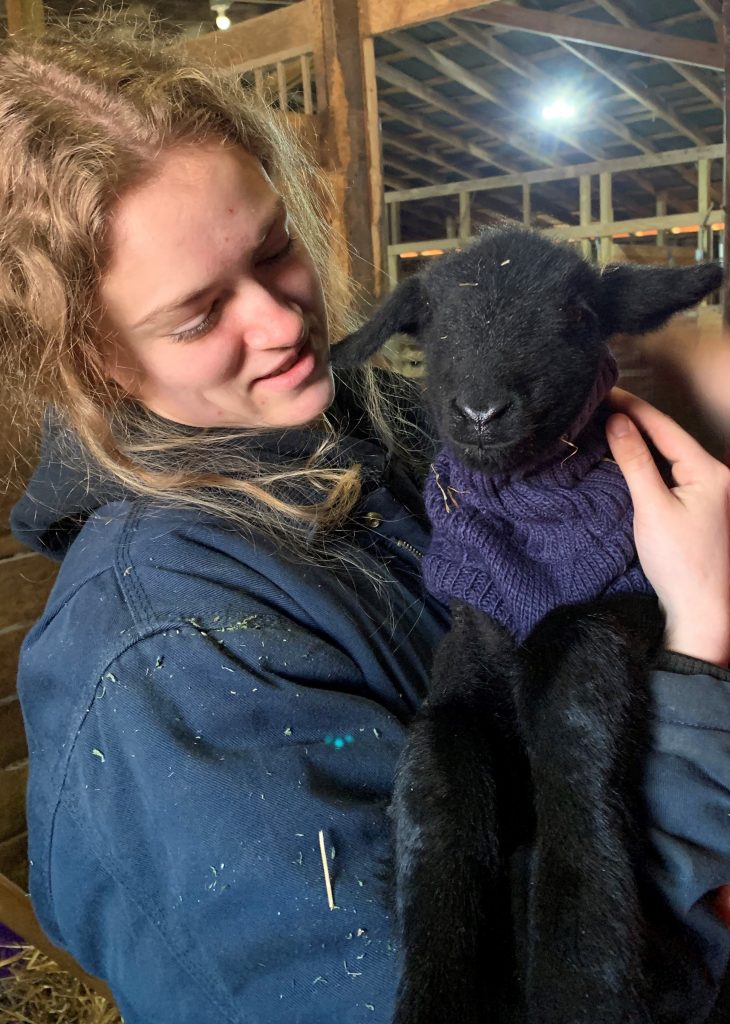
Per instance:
(519,827)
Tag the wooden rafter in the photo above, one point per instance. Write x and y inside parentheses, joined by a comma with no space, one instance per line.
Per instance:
(435,99)
(381,16)
(449,138)
(433,58)
(485,42)
(629,163)
(25,16)
(632,85)
(281,34)
(644,42)
(688,73)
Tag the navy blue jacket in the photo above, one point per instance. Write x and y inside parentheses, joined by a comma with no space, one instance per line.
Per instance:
(199,707)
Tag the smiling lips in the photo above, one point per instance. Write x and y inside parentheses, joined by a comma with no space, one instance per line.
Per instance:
(292,372)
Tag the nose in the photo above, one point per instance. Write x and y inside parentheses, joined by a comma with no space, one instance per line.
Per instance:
(267,320)
(482,417)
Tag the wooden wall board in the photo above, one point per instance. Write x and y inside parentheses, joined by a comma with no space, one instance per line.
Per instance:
(380,16)
(256,42)
(13,783)
(14,864)
(556,25)
(10,641)
(13,745)
(25,581)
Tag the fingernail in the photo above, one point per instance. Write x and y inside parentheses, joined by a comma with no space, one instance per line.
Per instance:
(619,425)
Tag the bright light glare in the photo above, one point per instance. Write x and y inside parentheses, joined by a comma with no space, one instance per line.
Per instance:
(559,110)
(223,21)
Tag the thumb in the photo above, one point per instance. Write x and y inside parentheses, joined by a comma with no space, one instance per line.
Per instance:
(635,461)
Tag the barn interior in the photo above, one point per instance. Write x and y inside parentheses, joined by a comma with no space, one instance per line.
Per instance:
(600,122)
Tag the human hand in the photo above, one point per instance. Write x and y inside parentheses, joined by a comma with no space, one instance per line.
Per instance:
(682,532)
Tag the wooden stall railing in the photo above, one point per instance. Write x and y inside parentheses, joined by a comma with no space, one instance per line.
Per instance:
(705,218)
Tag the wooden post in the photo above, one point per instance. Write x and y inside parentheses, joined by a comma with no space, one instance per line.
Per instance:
(393,239)
(526,206)
(450,227)
(305,63)
(282,86)
(704,235)
(344,68)
(606,214)
(586,215)
(258,78)
(661,211)
(25,16)
(464,216)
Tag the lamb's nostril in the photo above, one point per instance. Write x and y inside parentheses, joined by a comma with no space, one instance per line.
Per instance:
(483,416)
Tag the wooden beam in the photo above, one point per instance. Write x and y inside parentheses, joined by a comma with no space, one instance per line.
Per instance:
(380,16)
(630,163)
(280,35)
(521,66)
(661,211)
(586,213)
(464,215)
(617,227)
(571,232)
(689,74)
(605,212)
(529,70)
(704,240)
(635,88)
(25,16)
(345,76)
(474,83)
(645,43)
(435,99)
(450,138)
(711,8)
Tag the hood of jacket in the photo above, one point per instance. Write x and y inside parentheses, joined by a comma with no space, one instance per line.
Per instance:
(68,486)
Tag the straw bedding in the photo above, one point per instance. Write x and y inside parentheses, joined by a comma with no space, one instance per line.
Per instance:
(36,991)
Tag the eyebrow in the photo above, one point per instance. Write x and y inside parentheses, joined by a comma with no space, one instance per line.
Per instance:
(185,300)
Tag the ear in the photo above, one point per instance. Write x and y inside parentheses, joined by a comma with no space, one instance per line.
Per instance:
(404,311)
(635,299)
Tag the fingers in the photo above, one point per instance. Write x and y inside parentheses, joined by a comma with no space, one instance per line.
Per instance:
(635,461)
(688,459)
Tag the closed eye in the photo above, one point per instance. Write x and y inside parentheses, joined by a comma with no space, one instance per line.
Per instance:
(206,324)
(213,315)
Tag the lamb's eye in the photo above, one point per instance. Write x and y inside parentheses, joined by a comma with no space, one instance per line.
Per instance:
(573,313)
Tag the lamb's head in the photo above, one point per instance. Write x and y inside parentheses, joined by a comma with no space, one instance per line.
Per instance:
(514,329)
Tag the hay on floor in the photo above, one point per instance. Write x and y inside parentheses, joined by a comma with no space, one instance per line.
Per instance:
(36,991)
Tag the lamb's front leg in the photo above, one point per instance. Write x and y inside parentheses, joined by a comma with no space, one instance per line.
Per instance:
(453,782)
(585,713)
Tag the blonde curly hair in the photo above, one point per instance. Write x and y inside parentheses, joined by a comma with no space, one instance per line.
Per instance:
(85,110)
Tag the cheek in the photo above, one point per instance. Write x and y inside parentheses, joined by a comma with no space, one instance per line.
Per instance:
(209,361)
(301,282)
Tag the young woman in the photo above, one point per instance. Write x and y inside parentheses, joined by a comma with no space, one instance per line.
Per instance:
(238,637)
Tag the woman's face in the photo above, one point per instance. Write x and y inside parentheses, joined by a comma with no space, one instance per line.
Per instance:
(212,310)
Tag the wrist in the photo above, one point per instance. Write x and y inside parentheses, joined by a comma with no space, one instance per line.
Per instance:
(705,639)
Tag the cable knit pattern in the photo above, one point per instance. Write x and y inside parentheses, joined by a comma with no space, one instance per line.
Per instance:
(518,546)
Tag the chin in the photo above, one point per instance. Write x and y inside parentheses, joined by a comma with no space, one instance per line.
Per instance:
(306,406)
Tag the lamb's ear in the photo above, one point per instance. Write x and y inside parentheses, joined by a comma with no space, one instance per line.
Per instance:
(405,311)
(635,298)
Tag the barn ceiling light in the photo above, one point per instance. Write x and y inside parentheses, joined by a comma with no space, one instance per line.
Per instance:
(559,110)
(221,15)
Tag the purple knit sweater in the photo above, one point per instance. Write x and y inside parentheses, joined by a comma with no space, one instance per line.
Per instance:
(518,546)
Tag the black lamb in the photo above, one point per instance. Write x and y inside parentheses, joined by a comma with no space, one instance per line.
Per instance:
(520,836)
